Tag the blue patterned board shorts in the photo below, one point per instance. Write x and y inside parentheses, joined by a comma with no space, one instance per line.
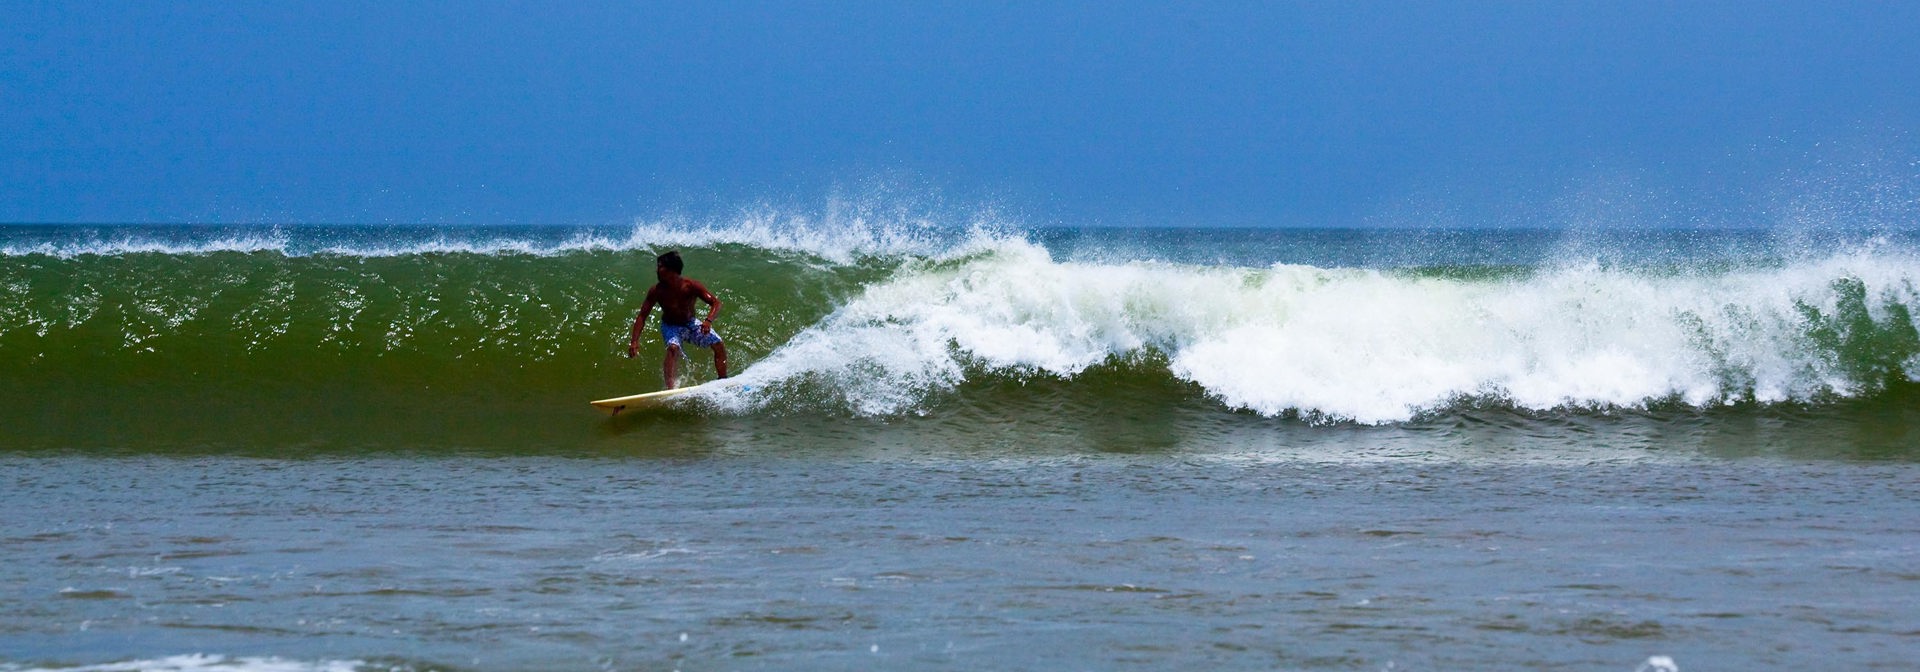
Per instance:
(676,334)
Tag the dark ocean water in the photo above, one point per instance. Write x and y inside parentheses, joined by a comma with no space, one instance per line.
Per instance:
(331,447)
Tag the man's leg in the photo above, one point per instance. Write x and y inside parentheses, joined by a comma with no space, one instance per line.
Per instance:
(720,359)
(671,367)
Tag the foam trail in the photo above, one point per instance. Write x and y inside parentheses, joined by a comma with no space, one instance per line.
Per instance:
(1369,346)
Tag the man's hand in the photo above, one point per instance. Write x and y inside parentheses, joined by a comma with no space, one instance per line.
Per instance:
(706,326)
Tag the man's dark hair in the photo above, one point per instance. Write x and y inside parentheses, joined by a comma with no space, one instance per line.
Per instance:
(670,261)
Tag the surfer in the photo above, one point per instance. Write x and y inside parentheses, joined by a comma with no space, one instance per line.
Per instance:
(675,294)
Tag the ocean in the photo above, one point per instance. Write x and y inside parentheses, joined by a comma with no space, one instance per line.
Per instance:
(964,445)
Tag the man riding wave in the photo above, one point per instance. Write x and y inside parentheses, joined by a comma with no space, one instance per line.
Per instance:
(675,294)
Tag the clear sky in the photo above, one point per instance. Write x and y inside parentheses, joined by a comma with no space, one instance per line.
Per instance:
(1224,113)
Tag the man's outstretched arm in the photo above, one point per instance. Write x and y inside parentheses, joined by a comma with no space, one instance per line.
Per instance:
(639,325)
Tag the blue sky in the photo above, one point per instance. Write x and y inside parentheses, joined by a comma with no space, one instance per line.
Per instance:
(1229,113)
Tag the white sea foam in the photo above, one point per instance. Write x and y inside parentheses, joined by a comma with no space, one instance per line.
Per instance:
(71,245)
(1658,664)
(1346,344)
(838,233)
(797,234)
(841,234)
(207,663)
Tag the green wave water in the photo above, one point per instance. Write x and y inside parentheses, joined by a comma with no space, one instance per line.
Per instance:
(178,345)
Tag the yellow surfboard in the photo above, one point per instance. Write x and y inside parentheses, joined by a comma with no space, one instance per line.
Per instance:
(617,405)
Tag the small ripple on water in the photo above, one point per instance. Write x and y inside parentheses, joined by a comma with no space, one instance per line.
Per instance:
(199,662)
(94,594)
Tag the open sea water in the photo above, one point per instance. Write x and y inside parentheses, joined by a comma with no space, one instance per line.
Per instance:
(961,447)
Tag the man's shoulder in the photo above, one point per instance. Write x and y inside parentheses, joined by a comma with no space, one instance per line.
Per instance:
(684,287)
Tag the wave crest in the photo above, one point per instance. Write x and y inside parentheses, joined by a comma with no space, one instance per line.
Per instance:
(1371,346)
(840,234)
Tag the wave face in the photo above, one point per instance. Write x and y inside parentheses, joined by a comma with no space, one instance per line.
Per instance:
(1367,327)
